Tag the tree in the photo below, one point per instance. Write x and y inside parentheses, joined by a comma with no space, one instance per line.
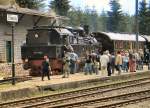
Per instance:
(115,17)
(75,16)
(93,19)
(61,7)
(82,18)
(102,21)
(148,19)
(31,4)
(143,18)
(130,23)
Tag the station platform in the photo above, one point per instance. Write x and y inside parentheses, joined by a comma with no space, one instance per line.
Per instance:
(24,89)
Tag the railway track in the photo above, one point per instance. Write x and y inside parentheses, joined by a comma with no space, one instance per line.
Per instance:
(108,102)
(90,95)
(72,95)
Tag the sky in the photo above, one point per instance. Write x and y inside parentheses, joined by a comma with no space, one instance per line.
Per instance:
(128,6)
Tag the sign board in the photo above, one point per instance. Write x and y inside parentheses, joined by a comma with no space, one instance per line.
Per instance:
(12,18)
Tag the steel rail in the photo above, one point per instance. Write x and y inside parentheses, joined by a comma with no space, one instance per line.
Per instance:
(108,99)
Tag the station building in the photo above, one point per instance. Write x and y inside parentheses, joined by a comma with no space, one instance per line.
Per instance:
(27,18)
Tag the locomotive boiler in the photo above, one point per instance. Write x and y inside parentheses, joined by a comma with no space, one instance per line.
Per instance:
(52,42)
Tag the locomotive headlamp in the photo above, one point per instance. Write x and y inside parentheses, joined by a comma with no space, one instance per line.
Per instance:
(26,60)
(36,35)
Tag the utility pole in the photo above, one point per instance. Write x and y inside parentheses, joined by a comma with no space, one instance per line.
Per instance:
(137,25)
(12,55)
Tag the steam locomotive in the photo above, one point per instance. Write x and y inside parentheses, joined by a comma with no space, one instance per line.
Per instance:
(52,42)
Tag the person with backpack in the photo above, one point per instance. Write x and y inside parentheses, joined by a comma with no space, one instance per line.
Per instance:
(73,62)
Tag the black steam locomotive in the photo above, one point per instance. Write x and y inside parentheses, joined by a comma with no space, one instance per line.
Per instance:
(52,42)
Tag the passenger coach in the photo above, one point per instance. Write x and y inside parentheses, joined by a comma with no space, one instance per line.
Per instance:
(117,41)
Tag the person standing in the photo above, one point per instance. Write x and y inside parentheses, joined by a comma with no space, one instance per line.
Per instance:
(88,65)
(45,68)
(96,65)
(94,55)
(141,54)
(104,59)
(125,62)
(118,62)
(112,63)
(108,64)
(66,65)
(148,59)
(73,62)
(132,62)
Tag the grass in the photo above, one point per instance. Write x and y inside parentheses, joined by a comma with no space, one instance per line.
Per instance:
(5,86)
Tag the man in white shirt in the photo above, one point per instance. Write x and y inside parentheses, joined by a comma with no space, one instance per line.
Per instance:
(104,59)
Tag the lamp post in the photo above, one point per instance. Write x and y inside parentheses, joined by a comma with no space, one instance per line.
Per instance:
(62,53)
(137,25)
(12,18)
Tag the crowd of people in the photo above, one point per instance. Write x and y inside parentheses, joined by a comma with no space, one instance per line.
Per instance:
(121,61)
(104,64)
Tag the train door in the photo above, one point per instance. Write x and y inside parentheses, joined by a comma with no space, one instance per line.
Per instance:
(8,51)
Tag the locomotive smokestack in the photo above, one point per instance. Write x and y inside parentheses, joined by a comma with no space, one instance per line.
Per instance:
(86,29)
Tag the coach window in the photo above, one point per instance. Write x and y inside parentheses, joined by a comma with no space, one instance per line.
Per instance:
(141,45)
(134,45)
(127,45)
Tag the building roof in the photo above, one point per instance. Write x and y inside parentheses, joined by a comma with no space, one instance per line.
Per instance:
(125,37)
(30,12)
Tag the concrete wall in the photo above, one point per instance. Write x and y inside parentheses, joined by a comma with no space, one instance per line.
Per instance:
(19,35)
